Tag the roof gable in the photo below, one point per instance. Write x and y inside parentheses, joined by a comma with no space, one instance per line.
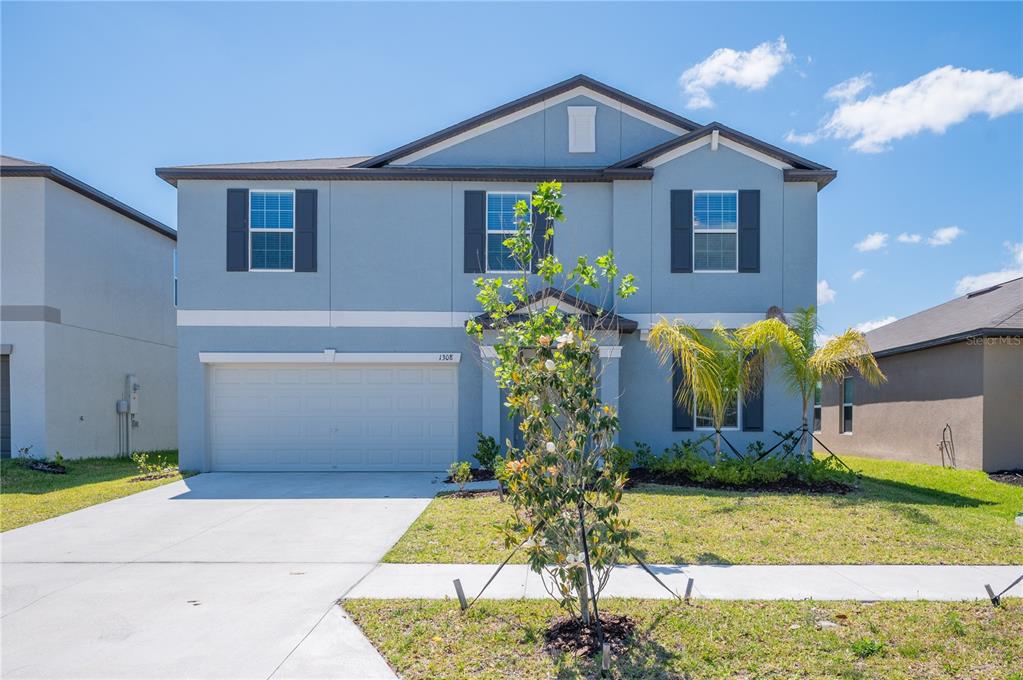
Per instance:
(530,104)
(591,316)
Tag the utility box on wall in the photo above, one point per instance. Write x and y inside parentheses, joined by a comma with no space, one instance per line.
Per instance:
(132,390)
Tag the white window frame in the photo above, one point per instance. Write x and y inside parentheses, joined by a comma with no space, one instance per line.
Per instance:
(487,231)
(273,229)
(738,418)
(841,414)
(734,231)
(817,408)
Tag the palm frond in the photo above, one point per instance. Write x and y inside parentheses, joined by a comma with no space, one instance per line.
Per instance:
(845,352)
(685,348)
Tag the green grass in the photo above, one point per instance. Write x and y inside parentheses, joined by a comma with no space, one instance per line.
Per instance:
(709,639)
(28,496)
(904,513)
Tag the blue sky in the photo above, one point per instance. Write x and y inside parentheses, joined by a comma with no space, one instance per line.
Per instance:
(108,91)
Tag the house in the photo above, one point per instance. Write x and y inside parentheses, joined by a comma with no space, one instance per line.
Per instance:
(323,302)
(87,319)
(955,374)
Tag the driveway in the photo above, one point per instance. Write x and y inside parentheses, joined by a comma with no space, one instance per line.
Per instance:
(223,575)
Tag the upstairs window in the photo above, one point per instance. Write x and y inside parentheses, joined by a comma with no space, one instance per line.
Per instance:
(715,231)
(501,226)
(847,405)
(272,230)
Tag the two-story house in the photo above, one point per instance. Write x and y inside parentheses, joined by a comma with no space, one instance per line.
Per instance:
(87,328)
(323,302)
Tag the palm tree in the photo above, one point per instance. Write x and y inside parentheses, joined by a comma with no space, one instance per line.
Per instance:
(804,364)
(716,367)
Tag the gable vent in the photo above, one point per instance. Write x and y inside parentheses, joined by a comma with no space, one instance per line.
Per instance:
(582,129)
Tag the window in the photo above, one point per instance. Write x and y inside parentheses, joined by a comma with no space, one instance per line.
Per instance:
(715,231)
(175,267)
(705,419)
(817,407)
(582,129)
(272,230)
(500,226)
(847,405)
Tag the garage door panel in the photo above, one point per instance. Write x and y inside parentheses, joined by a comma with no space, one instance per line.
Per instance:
(333,417)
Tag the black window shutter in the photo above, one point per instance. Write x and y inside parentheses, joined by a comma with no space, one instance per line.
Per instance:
(681,231)
(237,230)
(749,230)
(541,247)
(753,406)
(305,230)
(475,231)
(681,417)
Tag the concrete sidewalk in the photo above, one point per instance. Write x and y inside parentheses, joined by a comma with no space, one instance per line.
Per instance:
(724,582)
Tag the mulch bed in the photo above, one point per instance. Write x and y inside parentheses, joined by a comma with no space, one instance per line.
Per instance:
(43,466)
(478,475)
(647,476)
(468,493)
(568,635)
(1014,477)
(156,475)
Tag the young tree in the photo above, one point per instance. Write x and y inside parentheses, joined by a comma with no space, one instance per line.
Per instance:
(717,368)
(565,499)
(804,364)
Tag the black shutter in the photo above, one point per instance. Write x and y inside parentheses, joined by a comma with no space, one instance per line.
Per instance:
(681,417)
(237,230)
(749,230)
(682,231)
(475,231)
(541,247)
(753,405)
(305,230)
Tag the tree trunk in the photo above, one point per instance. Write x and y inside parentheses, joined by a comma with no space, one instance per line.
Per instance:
(584,605)
(804,438)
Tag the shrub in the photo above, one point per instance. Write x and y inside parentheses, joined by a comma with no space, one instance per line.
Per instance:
(461,474)
(487,451)
(151,464)
(644,456)
(620,459)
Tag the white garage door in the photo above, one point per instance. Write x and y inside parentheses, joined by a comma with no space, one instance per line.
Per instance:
(333,417)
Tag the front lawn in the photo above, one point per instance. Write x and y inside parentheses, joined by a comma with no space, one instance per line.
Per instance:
(904,513)
(502,639)
(28,496)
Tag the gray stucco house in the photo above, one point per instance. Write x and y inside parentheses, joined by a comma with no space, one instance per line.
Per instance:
(86,319)
(322,302)
(957,365)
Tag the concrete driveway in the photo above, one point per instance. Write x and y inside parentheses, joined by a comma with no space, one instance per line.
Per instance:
(223,575)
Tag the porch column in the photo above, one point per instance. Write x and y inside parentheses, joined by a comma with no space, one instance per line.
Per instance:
(609,390)
(491,396)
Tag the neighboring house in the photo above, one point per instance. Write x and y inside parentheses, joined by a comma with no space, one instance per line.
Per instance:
(959,365)
(87,296)
(323,302)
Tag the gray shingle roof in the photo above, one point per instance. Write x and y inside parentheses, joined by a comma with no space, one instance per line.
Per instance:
(19,167)
(301,164)
(993,311)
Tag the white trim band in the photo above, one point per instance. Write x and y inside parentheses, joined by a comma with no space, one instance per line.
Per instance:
(330,356)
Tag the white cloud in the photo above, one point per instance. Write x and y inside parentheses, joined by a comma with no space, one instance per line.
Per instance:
(909,238)
(968,284)
(935,101)
(825,293)
(805,138)
(849,89)
(874,241)
(868,326)
(821,339)
(944,236)
(750,70)
(858,274)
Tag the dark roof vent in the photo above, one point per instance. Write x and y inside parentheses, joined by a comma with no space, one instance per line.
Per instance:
(977,293)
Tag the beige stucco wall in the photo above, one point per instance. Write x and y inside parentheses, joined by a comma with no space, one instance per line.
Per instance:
(1003,403)
(903,418)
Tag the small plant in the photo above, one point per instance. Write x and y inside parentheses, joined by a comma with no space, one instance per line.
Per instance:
(58,459)
(620,459)
(755,450)
(955,624)
(461,474)
(866,647)
(487,451)
(644,456)
(150,467)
